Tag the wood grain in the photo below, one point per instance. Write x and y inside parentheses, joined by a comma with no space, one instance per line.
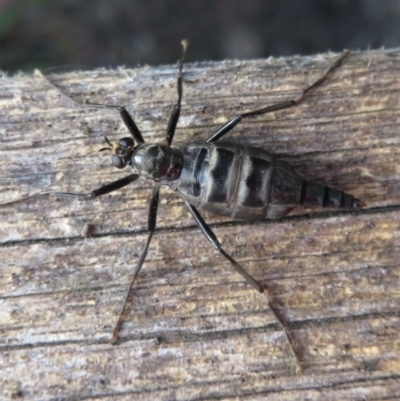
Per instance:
(196,330)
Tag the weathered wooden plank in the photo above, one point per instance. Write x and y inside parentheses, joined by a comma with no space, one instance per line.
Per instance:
(196,331)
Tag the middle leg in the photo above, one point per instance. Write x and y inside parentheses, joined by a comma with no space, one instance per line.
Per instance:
(151,225)
(176,111)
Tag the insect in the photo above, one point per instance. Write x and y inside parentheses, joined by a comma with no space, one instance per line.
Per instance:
(242,182)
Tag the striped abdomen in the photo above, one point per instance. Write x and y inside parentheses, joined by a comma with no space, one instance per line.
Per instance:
(248,183)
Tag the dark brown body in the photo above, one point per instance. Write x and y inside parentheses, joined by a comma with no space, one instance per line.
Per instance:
(224,178)
(248,183)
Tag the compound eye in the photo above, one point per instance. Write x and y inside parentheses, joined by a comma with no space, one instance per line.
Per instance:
(126,142)
(118,162)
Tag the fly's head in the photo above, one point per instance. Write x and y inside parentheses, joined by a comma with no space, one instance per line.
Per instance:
(121,151)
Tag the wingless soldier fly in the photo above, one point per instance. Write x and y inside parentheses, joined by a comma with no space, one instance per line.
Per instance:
(222,177)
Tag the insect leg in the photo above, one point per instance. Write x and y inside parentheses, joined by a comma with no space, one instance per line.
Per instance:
(103,190)
(126,117)
(214,241)
(151,225)
(176,111)
(254,283)
(174,117)
(278,106)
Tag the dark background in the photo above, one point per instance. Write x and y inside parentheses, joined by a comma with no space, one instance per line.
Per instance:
(93,33)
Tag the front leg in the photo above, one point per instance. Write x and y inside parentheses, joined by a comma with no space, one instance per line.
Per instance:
(103,190)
